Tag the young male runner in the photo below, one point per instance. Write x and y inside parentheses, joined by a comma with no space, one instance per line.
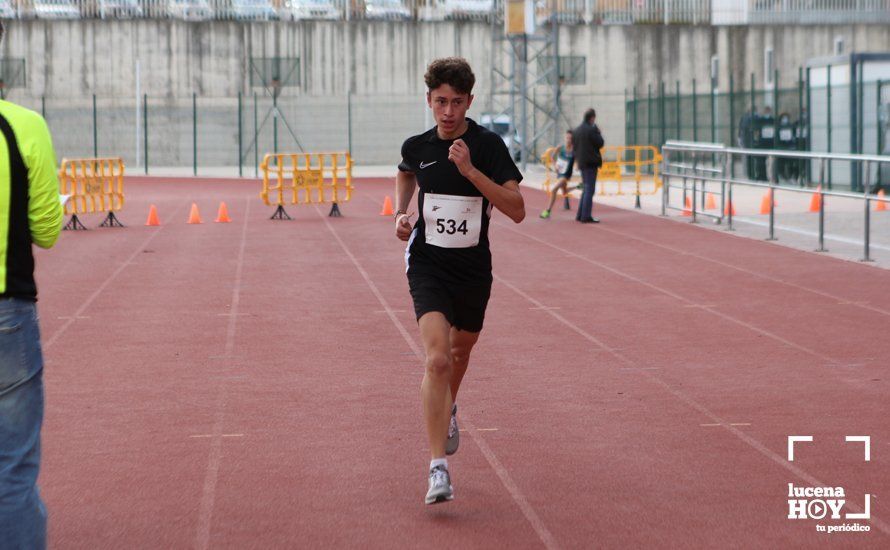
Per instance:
(564,159)
(463,170)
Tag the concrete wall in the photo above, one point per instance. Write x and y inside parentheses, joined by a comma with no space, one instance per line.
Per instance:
(361,83)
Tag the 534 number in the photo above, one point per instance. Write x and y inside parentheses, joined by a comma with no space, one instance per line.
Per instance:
(450,227)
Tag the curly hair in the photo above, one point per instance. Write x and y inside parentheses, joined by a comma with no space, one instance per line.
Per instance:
(454,71)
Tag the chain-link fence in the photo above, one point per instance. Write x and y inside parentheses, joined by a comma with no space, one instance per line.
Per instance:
(845,118)
(210,132)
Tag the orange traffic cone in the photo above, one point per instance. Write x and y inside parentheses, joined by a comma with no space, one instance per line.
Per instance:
(816,200)
(764,202)
(194,215)
(223,215)
(688,210)
(880,206)
(152,216)
(729,208)
(387,207)
(710,203)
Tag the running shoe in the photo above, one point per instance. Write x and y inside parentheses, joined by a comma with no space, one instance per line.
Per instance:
(545,214)
(453,441)
(440,486)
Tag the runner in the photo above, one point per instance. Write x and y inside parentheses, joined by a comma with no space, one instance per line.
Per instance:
(463,170)
(564,159)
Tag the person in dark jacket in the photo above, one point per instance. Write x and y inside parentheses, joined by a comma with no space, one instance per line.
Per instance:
(588,141)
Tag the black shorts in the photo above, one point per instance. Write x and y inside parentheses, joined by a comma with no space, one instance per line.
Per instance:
(567,174)
(462,304)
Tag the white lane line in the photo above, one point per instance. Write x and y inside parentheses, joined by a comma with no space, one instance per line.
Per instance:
(101,288)
(678,297)
(863,305)
(527,510)
(208,496)
(755,444)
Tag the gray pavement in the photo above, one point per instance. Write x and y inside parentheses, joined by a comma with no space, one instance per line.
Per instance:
(795,226)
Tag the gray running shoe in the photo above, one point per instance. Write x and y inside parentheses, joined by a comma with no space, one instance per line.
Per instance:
(453,441)
(440,486)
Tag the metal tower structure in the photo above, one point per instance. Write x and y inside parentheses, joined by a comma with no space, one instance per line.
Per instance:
(525,81)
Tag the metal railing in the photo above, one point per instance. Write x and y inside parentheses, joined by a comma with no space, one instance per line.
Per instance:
(596,12)
(708,168)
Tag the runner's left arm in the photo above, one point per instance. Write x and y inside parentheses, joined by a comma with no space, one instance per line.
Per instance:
(505,197)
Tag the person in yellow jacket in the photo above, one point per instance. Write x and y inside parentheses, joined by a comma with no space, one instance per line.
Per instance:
(30,213)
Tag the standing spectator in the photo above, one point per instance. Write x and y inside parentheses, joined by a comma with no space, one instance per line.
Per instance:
(588,141)
(30,212)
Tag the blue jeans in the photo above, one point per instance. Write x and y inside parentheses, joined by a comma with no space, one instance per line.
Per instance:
(588,181)
(22,513)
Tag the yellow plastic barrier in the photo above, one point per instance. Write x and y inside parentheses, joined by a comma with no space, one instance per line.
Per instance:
(95,185)
(304,178)
(637,164)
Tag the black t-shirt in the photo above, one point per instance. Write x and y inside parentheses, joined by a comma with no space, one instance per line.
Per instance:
(450,238)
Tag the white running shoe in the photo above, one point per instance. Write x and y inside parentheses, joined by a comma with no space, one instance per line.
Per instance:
(440,486)
(453,441)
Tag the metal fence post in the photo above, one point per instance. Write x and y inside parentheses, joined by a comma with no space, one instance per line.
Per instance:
(713,114)
(649,115)
(43,106)
(731,127)
(663,116)
(727,159)
(349,122)
(867,236)
(240,139)
(808,141)
(694,112)
(775,107)
(679,132)
(95,130)
(195,133)
(665,182)
(828,125)
(256,139)
(145,129)
(797,144)
(860,134)
(879,144)
(821,207)
(771,161)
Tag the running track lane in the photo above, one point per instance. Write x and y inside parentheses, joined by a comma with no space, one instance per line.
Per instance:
(634,385)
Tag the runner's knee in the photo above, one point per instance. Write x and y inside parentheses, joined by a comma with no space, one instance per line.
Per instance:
(438,363)
(460,355)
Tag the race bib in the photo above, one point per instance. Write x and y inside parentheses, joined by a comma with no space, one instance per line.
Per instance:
(562,164)
(452,221)
(767,132)
(785,134)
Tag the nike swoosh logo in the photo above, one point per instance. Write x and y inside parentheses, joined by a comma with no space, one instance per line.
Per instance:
(436,208)
(424,165)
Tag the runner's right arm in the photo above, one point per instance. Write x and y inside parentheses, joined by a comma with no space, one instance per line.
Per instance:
(406,182)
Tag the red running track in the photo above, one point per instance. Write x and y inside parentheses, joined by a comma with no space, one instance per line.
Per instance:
(256,384)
